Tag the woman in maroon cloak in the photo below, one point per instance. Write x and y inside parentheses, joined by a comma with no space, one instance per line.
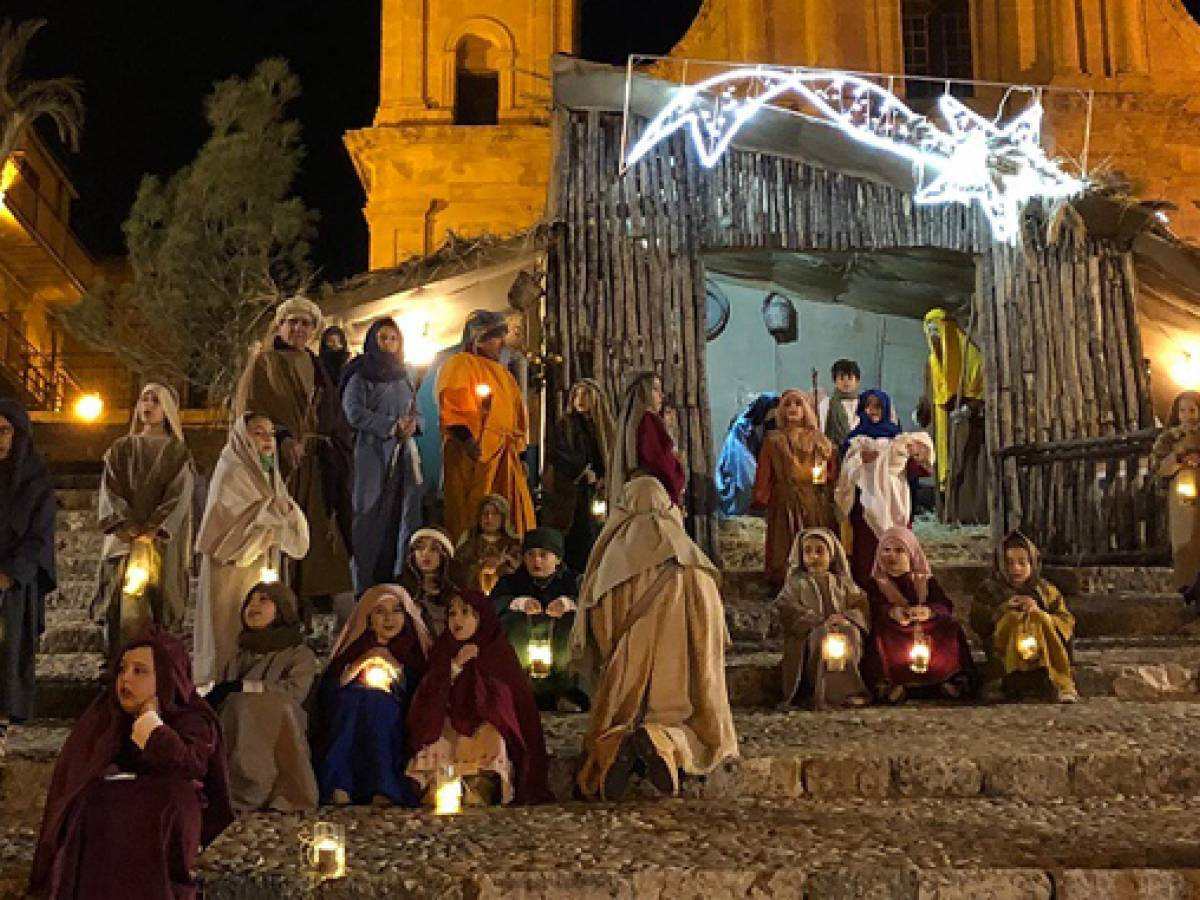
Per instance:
(139,787)
(916,644)
(474,690)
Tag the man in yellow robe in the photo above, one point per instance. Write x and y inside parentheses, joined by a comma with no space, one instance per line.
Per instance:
(484,429)
(954,405)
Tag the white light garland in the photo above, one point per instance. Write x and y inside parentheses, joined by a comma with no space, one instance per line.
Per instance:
(1002,167)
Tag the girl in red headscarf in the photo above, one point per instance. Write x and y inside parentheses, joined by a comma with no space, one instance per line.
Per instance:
(139,786)
(475,711)
(916,643)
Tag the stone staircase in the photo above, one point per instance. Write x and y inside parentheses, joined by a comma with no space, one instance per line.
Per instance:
(929,800)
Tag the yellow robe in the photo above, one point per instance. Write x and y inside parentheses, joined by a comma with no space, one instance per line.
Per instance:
(960,362)
(1051,624)
(502,436)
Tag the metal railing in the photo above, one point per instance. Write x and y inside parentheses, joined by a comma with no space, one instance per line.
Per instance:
(43,380)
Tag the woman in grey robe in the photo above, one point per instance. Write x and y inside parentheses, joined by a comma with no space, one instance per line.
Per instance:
(27,508)
(379,399)
(260,700)
(146,516)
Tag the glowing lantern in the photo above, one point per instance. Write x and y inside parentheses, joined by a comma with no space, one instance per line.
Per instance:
(818,473)
(918,656)
(834,650)
(449,794)
(599,509)
(1185,485)
(267,575)
(484,393)
(88,407)
(1027,645)
(1186,372)
(327,853)
(541,657)
(136,579)
(378,674)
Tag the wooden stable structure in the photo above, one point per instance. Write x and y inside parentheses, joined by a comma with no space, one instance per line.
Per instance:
(1068,413)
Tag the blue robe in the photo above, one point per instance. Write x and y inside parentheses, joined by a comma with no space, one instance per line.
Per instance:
(387,492)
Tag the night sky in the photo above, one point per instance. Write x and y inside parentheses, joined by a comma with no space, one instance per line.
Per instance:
(147,65)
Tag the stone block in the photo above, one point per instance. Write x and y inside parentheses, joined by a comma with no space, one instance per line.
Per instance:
(938,776)
(1154,681)
(1027,777)
(1126,884)
(833,777)
(874,882)
(984,884)
(1105,774)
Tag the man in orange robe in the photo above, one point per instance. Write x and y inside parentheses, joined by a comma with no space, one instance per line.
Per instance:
(484,429)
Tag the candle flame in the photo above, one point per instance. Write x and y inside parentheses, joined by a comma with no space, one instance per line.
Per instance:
(483,391)
(1027,646)
(600,508)
(541,658)
(920,653)
(136,579)
(1186,488)
(448,798)
(377,676)
(267,575)
(834,647)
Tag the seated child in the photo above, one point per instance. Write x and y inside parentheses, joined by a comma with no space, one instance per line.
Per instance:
(363,699)
(1025,625)
(139,786)
(916,643)
(825,618)
(260,700)
(429,576)
(474,711)
(536,605)
(491,549)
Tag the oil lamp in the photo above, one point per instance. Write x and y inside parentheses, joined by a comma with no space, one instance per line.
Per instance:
(1027,645)
(327,853)
(818,473)
(918,656)
(600,509)
(378,674)
(1185,485)
(136,579)
(541,657)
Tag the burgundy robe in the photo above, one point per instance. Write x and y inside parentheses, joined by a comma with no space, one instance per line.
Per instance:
(656,456)
(887,657)
(135,839)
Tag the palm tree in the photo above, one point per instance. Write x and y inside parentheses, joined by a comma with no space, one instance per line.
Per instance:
(23,101)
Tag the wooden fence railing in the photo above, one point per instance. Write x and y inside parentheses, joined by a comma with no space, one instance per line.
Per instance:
(1092,501)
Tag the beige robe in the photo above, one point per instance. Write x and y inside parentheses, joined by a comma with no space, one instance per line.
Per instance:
(147,483)
(806,604)
(283,385)
(1183,512)
(241,533)
(266,738)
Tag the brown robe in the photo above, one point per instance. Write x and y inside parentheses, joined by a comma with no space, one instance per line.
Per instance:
(147,483)
(783,485)
(288,385)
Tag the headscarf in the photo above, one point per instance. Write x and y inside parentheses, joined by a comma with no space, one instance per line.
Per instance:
(376,364)
(239,491)
(623,460)
(1015,540)
(838,564)
(644,531)
(810,439)
(480,325)
(918,566)
(285,632)
(492,688)
(506,527)
(170,404)
(26,496)
(959,370)
(334,361)
(600,415)
(96,742)
(434,534)
(359,623)
(299,305)
(886,427)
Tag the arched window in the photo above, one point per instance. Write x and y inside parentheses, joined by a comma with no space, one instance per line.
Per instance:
(937,44)
(476,82)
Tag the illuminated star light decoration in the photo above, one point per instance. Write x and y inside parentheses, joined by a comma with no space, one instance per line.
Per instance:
(1002,167)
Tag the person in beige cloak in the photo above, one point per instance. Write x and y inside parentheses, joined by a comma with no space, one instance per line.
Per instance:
(145,510)
(285,382)
(260,701)
(650,635)
(824,616)
(249,523)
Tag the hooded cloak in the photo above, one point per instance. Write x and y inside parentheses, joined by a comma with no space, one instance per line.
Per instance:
(474,549)
(642,445)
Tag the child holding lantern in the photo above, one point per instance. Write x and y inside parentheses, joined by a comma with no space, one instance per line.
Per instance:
(536,605)
(1025,625)
(474,714)
(825,620)
(1175,459)
(916,643)
(491,549)
(363,700)
(790,483)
